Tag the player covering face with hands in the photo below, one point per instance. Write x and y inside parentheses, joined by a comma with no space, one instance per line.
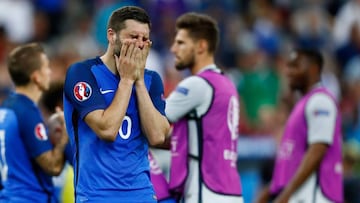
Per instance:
(121,113)
(130,57)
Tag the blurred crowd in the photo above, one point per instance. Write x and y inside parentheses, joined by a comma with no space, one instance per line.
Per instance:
(256,36)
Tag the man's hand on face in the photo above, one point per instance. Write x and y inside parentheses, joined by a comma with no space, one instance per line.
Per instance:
(130,64)
(143,53)
(126,64)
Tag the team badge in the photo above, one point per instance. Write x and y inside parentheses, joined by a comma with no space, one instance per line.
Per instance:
(40,132)
(82,91)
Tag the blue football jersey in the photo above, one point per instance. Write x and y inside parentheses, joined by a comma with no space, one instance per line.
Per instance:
(23,137)
(115,171)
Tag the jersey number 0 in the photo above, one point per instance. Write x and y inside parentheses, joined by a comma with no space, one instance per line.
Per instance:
(125,128)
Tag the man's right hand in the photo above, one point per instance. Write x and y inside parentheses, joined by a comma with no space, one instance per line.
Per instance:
(126,61)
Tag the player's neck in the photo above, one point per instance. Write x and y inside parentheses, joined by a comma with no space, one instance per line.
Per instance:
(109,61)
(201,63)
(31,91)
(313,82)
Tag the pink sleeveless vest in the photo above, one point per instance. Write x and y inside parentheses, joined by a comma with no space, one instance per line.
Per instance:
(218,136)
(293,148)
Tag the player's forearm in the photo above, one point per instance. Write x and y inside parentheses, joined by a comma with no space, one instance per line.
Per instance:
(309,164)
(58,161)
(53,160)
(154,125)
(263,196)
(114,114)
(106,124)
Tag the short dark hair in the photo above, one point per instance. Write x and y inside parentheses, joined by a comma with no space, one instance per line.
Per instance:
(119,16)
(313,55)
(200,26)
(23,61)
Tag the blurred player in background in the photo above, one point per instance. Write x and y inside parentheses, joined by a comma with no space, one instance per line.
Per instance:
(114,108)
(28,158)
(205,111)
(308,165)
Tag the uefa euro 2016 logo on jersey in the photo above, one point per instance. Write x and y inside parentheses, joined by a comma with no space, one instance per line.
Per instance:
(82,91)
(40,132)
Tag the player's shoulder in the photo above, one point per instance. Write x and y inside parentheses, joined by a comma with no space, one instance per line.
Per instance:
(21,106)
(322,96)
(193,86)
(321,100)
(18,101)
(151,73)
(194,81)
(84,65)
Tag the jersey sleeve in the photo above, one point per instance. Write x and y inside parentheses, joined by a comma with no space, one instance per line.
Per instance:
(81,89)
(34,133)
(156,93)
(321,114)
(188,95)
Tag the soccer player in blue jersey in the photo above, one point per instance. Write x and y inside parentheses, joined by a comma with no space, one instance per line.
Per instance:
(114,108)
(28,158)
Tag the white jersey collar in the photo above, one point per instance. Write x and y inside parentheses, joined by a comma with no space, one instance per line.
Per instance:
(212,67)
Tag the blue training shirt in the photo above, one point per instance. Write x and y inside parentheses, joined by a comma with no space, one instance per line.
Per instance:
(114,171)
(23,137)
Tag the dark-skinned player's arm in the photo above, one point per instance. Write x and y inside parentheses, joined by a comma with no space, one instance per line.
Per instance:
(321,114)
(264,195)
(153,123)
(106,122)
(309,164)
